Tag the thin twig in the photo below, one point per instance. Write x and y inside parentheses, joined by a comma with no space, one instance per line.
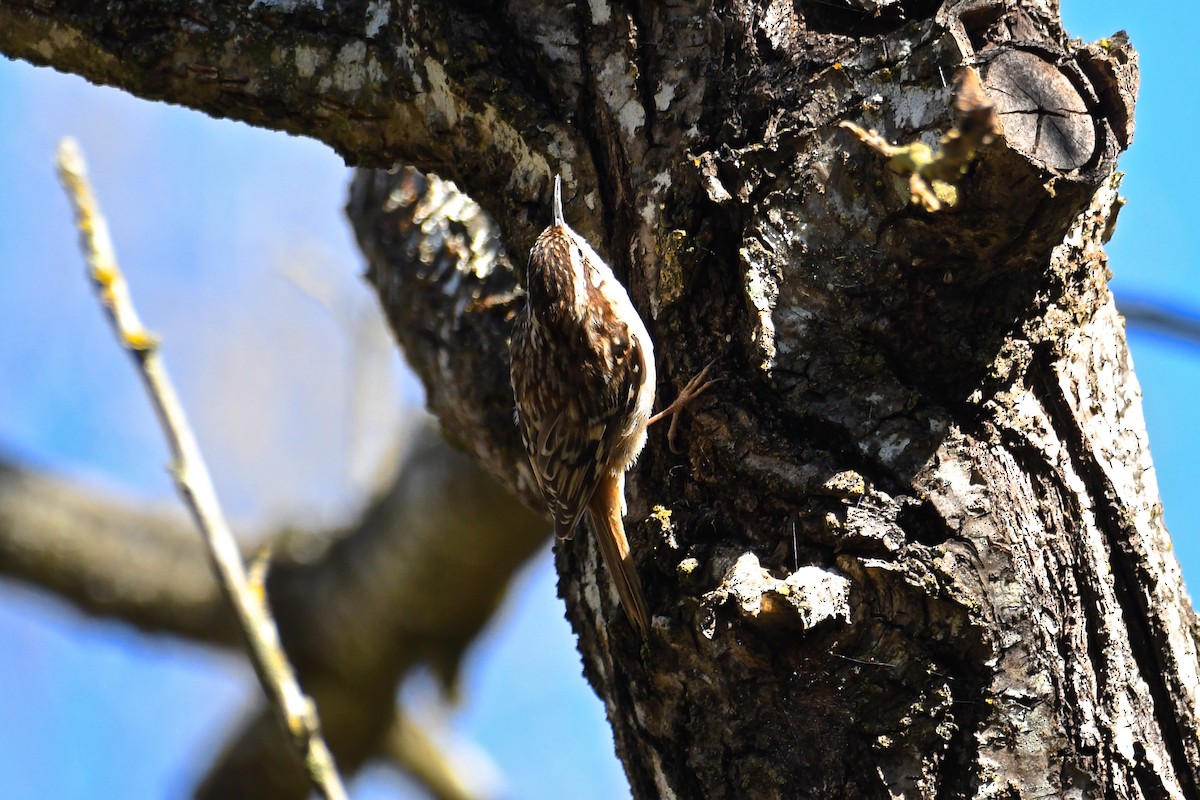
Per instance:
(296,711)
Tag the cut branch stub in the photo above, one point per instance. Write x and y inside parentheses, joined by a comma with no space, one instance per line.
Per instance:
(1041,111)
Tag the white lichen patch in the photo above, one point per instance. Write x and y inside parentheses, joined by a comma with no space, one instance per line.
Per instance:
(378,15)
(60,38)
(286,6)
(915,107)
(952,473)
(762,291)
(307,60)
(405,61)
(562,150)
(631,116)
(559,44)
(617,86)
(893,447)
(374,71)
(653,202)
(601,13)
(664,96)
(808,597)
(350,69)
(440,96)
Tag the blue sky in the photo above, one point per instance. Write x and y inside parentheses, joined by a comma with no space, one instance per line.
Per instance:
(213,221)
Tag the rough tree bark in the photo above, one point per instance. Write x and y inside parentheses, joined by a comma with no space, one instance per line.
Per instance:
(913,546)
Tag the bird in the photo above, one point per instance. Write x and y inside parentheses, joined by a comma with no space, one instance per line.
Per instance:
(583,378)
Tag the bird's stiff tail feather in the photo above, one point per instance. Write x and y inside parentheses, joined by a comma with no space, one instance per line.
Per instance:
(604,518)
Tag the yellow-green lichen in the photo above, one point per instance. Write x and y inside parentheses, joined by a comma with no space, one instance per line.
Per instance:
(675,251)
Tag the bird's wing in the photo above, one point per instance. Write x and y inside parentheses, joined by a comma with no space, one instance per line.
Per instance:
(571,439)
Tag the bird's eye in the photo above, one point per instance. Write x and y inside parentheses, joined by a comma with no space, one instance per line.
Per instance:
(579,250)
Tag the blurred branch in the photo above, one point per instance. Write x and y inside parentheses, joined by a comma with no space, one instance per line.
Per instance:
(110,558)
(295,710)
(449,770)
(413,584)
(450,292)
(1179,324)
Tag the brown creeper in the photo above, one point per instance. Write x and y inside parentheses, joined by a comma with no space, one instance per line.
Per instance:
(583,377)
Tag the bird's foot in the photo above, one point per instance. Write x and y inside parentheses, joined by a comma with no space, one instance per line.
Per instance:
(697,386)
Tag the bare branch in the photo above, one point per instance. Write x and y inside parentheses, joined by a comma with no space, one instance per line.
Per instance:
(295,710)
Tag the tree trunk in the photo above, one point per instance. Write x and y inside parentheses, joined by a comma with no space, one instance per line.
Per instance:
(913,544)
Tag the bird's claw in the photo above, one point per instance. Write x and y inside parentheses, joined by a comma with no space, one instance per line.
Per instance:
(697,386)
